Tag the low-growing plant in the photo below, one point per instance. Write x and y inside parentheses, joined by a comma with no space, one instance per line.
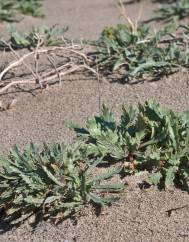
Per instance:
(8,12)
(168,10)
(48,36)
(30,7)
(147,137)
(140,53)
(10,9)
(55,183)
(175,10)
(59,180)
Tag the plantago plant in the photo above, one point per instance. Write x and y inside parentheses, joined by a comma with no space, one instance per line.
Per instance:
(10,9)
(147,137)
(168,10)
(49,36)
(140,53)
(175,10)
(53,183)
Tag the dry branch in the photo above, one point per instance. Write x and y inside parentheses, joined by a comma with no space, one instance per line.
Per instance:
(78,62)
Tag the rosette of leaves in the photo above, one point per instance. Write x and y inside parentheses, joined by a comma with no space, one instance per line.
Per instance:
(30,7)
(141,54)
(169,10)
(49,36)
(54,183)
(175,10)
(171,161)
(147,137)
(10,9)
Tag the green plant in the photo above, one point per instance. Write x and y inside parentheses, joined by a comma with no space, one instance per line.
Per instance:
(175,10)
(59,180)
(48,36)
(140,53)
(168,10)
(55,183)
(9,9)
(147,137)
(30,7)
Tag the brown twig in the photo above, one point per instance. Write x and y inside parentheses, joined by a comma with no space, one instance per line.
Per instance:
(18,58)
(45,79)
(54,66)
(80,61)
(36,57)
(99,89)
(125,15)
(41,51)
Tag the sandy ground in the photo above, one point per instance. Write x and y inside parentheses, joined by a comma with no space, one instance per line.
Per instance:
(140,215)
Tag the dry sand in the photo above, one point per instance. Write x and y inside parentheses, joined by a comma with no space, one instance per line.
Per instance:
(140,215)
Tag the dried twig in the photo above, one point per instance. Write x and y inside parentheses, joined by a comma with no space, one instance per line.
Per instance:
(18,58)
(46,79)
(78,62)
(125,15)
(41,51)
(54,65)
(36,57)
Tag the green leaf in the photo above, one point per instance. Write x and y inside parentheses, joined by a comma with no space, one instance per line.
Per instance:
(118,64)
(170,176)
(106,175)
(148,65)
(52,177)
(102,200)
(155,178)
(110,187)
